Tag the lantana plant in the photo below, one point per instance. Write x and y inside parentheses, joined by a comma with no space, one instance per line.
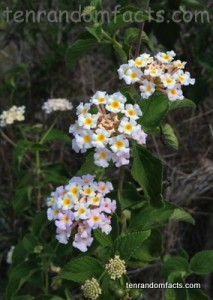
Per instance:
(90,232)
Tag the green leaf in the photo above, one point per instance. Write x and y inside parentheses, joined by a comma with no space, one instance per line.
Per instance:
(131,35)
(78,48)
(181,103)
(57,135)
(104,239)
(88,166)
(147,170)
(96,31)
(196,294)
(24,297)
(22,198)
(151,248)
(120,52)
(81,269)
(181,215)
(202,262)
(148,217)
(154,110)
(175,264)
(39,222)
(18,276)
(19,253)
(30,242)
(170,136)
(128,244)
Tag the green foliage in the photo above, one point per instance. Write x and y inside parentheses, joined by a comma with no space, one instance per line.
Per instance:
(202,262)
(81,269)
(148,217)
(129,243)
(147,170)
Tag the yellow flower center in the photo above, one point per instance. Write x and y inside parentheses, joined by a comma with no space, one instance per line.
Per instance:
(133,75)
(88,121)
(66,201)
(173,92)
(81,211)
(131,112)
(115,104)
(166,56)
(148,88)
(74,190)
(101,99)
(95,218)
(119,144)
(168,80)
(100,137)
(86,139)
(102,155)
(128,127)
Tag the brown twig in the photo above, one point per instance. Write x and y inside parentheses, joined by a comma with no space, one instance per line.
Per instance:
(137,52)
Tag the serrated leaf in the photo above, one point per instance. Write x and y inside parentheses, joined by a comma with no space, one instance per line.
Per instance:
(202,262)
(148,217)
(151,248)
(81,269)
(78,48)
(181,215)
(127,244)
(104,239)
(174,264)
(181,103)
(170,136)
(96,31)
(147,170)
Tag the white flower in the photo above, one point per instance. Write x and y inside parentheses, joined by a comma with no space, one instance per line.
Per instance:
(102,157)
(119,145)
(83,108)
(100,138)
(65,202)
(122,71)
(153,72)
(84,139)
(168,81)
(165,57)
(141,61)
(82,212)
(115,102)
(15,113)
(184,78)
(132,111)
(121,159)
(99,98)
(179,64)
(52,105)
(127,126)
(147,89)
(175,93)
(87,121)
(132,75)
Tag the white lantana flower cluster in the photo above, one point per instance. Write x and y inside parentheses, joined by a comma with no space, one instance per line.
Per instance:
(108,129)
(52,105)
(15,113)
(161,73)
(80,207)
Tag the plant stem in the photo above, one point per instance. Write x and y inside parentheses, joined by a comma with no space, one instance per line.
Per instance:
(38,189)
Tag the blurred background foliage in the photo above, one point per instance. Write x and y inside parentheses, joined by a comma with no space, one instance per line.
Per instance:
(33,68)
